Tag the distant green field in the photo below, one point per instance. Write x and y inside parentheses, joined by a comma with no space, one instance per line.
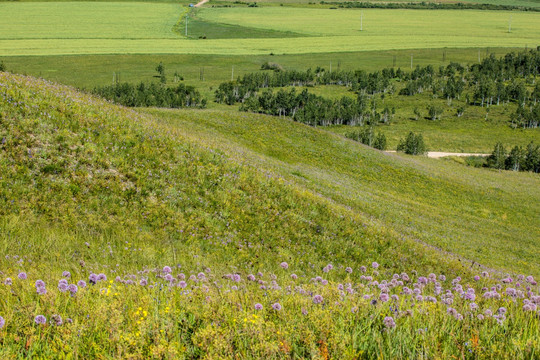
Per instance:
(413,27)
(139,28)
(87,20)
(86,71)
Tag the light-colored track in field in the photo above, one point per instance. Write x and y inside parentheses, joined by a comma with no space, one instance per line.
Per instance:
(438,154)
(201,3)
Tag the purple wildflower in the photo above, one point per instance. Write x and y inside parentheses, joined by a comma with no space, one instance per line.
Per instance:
(40,320)
(2,322)
(8,281)
(81,283)
(201,276)
(389,322)
(477,278)
(383,297)
(251,277)
(73,289)
(56,320)
(276,306)
(143,282)
(22,276)
(258,306)
(40,283)
(182,284)
(375,265)
(294,276)
(102,277)
(63,287)
(93,278)
(236,277)
(317,299)
(66,274)
(348,269)
(167,269)
(284,265)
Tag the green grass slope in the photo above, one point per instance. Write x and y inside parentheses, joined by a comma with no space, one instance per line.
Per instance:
(485,216)
(91,188)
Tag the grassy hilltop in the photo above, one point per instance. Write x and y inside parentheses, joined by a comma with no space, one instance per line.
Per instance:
(92,188)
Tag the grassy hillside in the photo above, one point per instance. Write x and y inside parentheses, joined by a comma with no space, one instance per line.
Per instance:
(166,221)
(485,216)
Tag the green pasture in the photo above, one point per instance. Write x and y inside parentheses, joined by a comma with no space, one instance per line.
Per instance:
(87,71)
(486,216)
(139,28)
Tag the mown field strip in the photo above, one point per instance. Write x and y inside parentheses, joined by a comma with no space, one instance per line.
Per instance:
(251,46)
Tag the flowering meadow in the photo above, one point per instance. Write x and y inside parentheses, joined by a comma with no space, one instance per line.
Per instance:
(122,238)
(345,312)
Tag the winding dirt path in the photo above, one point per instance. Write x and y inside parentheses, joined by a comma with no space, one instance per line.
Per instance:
(201,3)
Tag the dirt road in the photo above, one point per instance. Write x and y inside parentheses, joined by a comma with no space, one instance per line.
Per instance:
(437,154)
(201,3)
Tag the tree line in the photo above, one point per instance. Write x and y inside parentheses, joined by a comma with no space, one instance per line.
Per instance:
(518,159)
(494,81)
(152,94)
(316,110)
(427,5)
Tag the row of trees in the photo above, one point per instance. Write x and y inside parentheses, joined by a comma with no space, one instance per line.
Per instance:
(413,144)
(152,94)
(316,110)
(518,159)
(427,5)
(369,137)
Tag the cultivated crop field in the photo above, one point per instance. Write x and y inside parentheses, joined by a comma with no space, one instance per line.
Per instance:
(104,31)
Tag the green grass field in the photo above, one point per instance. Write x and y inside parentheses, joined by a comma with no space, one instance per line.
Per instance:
(330,30)
(87,20)
(176,210)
